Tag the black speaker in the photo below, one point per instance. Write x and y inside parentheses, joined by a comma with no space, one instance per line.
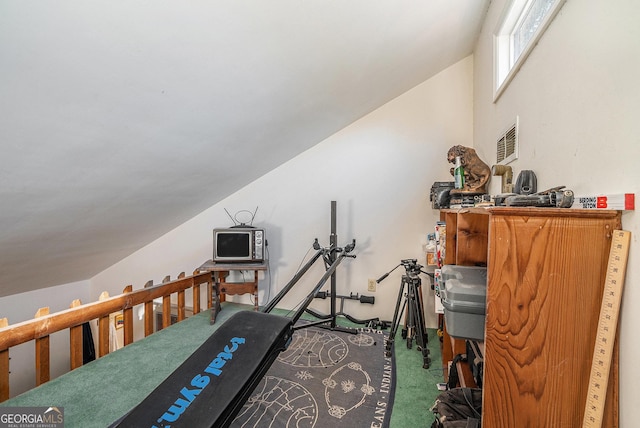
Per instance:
(527,183)
(440,194)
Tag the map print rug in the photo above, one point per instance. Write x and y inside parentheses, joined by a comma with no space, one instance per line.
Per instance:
(324,379)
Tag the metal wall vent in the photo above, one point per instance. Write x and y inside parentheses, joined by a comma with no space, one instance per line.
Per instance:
(507,145)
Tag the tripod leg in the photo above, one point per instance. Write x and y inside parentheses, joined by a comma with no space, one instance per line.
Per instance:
(424,335)
(396,321)
(407,321)
(421,335)
(394,329)
(411,319)
(422,320)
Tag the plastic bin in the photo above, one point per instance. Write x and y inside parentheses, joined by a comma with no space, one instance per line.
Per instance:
(464,297)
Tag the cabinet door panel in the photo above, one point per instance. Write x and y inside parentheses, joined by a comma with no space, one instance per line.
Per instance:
(546,275)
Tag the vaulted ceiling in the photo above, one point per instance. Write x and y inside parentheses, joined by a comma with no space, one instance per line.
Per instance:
(111,112)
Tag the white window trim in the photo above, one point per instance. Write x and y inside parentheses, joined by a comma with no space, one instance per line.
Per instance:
(501,42)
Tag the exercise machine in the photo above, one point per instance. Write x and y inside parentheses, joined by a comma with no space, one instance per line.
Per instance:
(370,322)
(328,255)
(210,387)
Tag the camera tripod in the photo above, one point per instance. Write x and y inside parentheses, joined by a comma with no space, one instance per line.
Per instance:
(412,300)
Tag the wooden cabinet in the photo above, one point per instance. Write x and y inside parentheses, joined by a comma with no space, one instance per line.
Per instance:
(466,244)
(467,237)
(546,269)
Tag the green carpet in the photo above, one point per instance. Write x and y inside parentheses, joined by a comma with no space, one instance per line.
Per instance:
(98,393)
(416,388)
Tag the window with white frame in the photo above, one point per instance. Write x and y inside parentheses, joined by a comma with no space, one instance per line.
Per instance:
(518,31)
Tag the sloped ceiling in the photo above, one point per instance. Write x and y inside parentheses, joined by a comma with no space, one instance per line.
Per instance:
(112,112)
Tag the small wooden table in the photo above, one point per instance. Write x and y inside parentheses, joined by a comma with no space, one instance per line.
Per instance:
(220,271)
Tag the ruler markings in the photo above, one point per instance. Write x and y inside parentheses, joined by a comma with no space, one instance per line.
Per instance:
(606,333)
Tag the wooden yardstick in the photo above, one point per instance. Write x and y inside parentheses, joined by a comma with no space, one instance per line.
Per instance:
(607,325)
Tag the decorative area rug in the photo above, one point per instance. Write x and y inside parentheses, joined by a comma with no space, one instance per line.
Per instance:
(326,379)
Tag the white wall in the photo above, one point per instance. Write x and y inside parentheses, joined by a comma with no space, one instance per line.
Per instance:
(578,102)
(23,307)
(379,170)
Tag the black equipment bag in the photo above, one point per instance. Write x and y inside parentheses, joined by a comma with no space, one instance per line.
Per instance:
(476,361)
(458,408)
(454,377)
